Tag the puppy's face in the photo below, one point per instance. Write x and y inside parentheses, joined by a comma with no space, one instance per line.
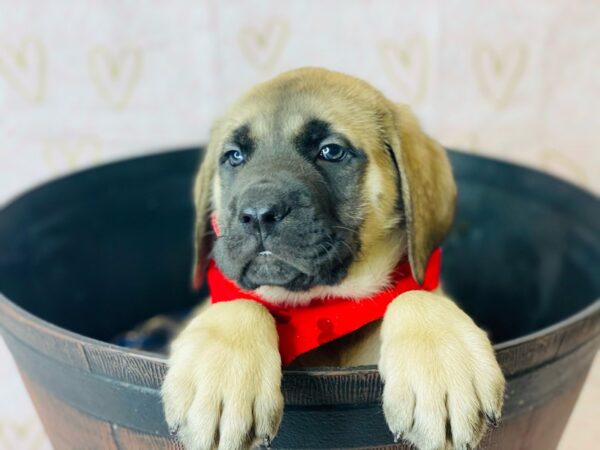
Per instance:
(290,184)
(305,175)
(292,172)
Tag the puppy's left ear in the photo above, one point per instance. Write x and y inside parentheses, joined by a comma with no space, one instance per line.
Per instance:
(203,233)
(427,187)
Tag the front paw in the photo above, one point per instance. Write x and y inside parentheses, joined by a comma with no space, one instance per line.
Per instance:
(443,384)
(223,386)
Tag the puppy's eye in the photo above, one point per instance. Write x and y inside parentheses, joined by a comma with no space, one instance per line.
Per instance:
(332,153)
(235,157)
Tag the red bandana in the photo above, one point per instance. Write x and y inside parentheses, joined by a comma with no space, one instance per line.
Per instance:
(304,328)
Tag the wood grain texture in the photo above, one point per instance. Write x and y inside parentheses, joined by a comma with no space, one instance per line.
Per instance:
(44,337)
(524,354)
(140,369)
(67,427)
(148,370)
(547,424)
(536,418)
(128,439)
(339,387)
(538,387)
(537,429)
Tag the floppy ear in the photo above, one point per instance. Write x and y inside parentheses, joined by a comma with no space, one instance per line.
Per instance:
(427,187)
(203,233)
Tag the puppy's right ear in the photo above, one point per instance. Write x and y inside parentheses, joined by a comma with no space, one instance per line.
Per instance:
(203,203)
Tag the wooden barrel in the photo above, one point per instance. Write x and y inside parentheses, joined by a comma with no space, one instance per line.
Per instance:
(88,256)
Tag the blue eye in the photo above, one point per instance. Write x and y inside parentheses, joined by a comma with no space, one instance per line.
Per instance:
(332,153)
(235,157)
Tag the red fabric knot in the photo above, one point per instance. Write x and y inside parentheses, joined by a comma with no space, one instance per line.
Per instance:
(304,328)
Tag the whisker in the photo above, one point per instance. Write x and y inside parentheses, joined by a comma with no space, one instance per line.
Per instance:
(346,229)
(350,249)
(331,242)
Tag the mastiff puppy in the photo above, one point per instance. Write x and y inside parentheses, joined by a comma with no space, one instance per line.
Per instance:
(317,188)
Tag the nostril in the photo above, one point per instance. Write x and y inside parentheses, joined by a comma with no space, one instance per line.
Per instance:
(247,215)
(262,216)
(269,217)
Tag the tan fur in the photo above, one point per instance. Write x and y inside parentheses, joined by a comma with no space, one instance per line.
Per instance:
(223,384)
(428,192)
(215,367)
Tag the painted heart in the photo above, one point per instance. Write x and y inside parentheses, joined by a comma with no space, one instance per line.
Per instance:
(27,435)
(68,154)
(115,74)
(499,72)
(24,68)
(263,47)
(407,67)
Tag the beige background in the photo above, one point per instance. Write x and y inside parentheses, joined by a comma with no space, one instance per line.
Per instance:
(90,81)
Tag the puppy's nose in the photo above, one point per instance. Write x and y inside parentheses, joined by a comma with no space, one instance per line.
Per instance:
(262,218)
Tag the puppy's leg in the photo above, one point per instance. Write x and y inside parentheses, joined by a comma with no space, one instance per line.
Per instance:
(442,380)
(223,386)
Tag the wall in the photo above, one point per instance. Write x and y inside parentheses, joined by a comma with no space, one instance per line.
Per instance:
(91,81)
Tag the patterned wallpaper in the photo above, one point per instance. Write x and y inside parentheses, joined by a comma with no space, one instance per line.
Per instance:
(91,81)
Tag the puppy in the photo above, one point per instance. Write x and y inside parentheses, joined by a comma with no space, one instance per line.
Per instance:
(319,187)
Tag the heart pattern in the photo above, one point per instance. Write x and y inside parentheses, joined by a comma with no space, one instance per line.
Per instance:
(115,74)
(263,46)
(499,72)
(71,153)
(407,67)
(27,435)
(515,85)
(24,68)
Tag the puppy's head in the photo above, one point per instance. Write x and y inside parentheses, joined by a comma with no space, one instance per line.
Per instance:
(320,185)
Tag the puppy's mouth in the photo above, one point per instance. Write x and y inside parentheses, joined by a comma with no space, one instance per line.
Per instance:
(269,269)
(298,267)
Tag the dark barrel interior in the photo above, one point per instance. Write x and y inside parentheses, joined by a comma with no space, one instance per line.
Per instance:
(100,251)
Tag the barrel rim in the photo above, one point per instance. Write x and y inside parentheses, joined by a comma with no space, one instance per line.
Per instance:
(7,305)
